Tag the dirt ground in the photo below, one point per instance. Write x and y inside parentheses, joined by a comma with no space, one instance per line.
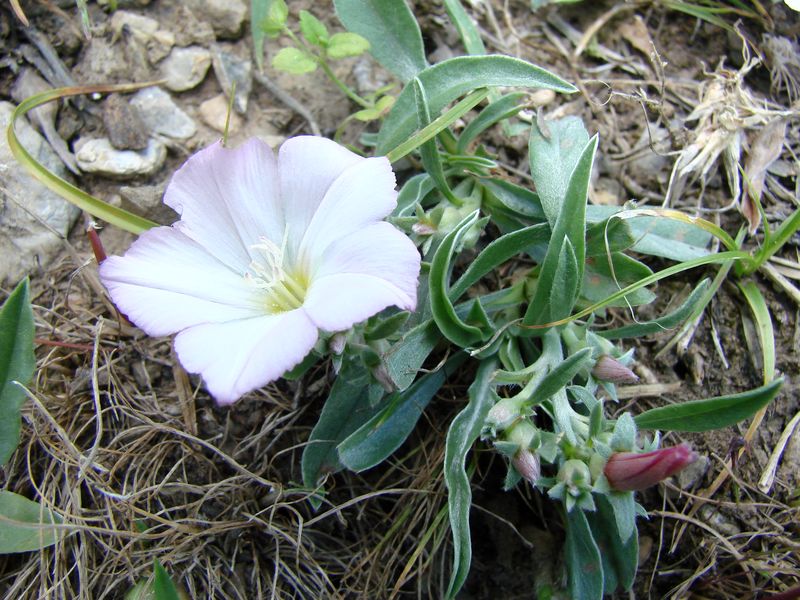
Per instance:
(128,445)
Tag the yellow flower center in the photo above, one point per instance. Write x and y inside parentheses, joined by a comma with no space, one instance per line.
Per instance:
(284,288)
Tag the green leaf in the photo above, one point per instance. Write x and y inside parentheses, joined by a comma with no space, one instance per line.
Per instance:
(405,357)
(379,329)
(664,323)
(258,12)
(561,375)
(313,29)
(515,198)
(163,586)
(429,152)
(451,79)
(466,28)
(497,252)
(554,149)
(608,236)
(343,45)
(584,564)
(711,413)
(393,33)
(562,269)
(26,525)
(374,441)
(601,281)
(273,21)
(381,107)
(346,409)
(294,61)
(620,559)
(503,108)
(766,335)
(444,314)
(464,430)
(412,193)
(17,363)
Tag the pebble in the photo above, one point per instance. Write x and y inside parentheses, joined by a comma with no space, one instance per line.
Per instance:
(690,476)
(185,68)
(100,157)
(229,70)
(161,115)
(214,111)
(26,243)
(226,16)
(147,201)
(124,126)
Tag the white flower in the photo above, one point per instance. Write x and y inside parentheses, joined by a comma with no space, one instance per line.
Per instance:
(267,253)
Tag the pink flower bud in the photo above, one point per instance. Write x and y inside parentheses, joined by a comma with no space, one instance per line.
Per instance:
(627,471)
(610,369)
(527,464)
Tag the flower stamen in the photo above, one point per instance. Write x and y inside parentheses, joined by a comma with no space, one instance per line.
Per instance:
(284,288)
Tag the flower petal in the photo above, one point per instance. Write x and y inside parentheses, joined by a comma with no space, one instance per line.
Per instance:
(308,166)
(166,282)
(240,356)
(228,198)
(360,196)
(362,274)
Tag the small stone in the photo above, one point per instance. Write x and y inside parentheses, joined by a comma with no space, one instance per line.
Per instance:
(691,475)
(161,115)
(226,16)
(190,30)
(102,61)
(100,157)
(229,70)
(125,128)
(33,217)
(147,201)
(185,68)
(140,26)
(214,113)
(541,97)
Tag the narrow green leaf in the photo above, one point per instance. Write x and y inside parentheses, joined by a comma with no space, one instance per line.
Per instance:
(516,198)
(344,45)
(584,565)
(313,29)
(498,252)
(406,356)
(766,335)
(451,79)
(561,375)
(374,441)
(293,60)
(94,206)
(429,152)
(608,236)
(346,409)
(382,328)
(554,149)
(466,28)
(17,364)
(393,33)
(562,269)
(444,314)
(163,586)
(26,525)
(463,432)
(502,108)
(258,12)
(673,319)
(710,413)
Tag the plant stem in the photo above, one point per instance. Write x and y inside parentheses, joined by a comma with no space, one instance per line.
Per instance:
(342,86)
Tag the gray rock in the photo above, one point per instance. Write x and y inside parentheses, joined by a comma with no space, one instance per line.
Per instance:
(124,126)
(161,115)
(100,157)
(33,217)
(147,201)
(227,17)
(185,68)
(229,70)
